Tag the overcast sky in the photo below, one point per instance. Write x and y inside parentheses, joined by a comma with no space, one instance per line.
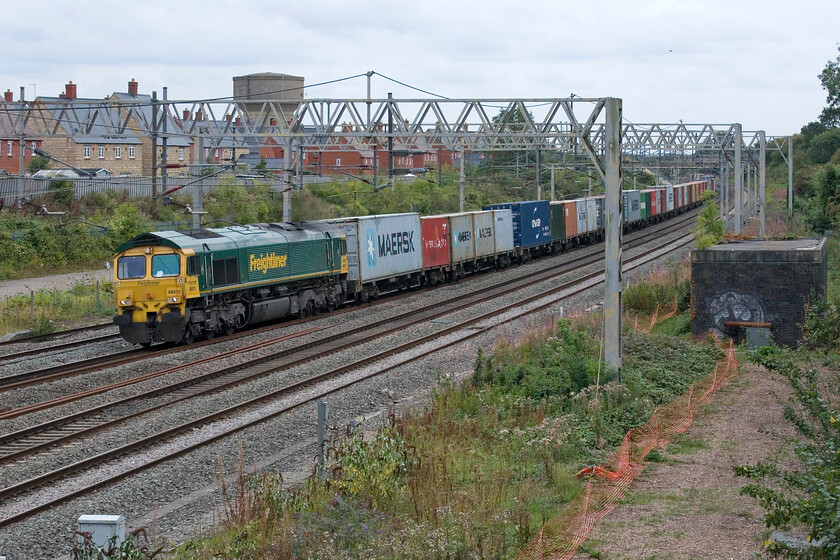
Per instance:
(701,61)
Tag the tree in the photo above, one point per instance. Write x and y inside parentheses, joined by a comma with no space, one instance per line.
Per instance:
(830,78)
(38,163)
(709,227)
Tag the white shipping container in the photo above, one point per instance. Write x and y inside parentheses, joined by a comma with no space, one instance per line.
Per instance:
(580,209)
(591,215)
(485,245)
(503,230)
(383,246)
(669,198)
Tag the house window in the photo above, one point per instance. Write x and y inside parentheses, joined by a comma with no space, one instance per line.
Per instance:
(9,148)
(216,153)
(34,147)
(117,152)
(131,152)
(337,161)
(87,152)
(181,154)
(101,152)
(206,153)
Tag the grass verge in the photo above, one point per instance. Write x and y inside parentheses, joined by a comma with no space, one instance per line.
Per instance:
(54,307)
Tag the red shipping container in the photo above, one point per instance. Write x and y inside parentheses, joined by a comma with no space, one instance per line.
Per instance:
(654,202)
(435,234)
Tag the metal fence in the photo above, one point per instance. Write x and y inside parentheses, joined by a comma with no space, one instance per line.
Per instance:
(133,187)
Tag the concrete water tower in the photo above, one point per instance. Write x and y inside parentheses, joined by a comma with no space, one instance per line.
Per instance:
(268,86)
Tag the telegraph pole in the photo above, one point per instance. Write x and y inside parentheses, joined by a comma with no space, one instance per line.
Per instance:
(287,181)
(739,178)
(391,141)
(198,189)
(537,177)
(613,228)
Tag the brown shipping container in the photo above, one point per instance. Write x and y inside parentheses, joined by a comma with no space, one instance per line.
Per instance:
(570,215)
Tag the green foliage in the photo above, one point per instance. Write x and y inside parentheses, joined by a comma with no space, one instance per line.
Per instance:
(127,550)
(236,203)
(821,328)
(824,145)
(127,222)
(661,288)
(806,495)
(38,163)
(62,191)
(830,79)
(374,470)
(709,227)
(825,205)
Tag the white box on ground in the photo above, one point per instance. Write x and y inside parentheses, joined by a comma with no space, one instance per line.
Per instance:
(102,528)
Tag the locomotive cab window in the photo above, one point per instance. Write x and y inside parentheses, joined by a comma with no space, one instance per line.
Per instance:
(165,265)
(131,268)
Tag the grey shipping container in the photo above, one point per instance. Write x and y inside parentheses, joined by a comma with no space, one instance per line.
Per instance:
(669,197)
(580,211)
(485,245)
(461,241)
(503,230)
(383,246)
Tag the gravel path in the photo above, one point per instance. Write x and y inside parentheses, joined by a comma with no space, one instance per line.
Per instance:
(689,507)
(180,496)
(55,282)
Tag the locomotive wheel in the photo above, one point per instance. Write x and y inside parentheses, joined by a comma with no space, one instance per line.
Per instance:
(145,344)
(209,334)
(229,329)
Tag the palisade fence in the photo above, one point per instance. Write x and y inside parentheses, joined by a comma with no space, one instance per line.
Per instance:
(133,187)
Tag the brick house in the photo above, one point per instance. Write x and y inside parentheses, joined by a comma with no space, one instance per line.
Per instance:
(10,142)
(101,145)
(139,120)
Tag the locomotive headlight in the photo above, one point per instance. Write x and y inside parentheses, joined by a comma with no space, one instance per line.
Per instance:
(116,284)
(172,299)
(148,250)
(123,302)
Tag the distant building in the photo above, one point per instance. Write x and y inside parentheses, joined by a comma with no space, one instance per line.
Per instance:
(10,142)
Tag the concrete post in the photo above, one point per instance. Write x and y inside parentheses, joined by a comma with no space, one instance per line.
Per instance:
(739,180)
(287,181)
(462,182)
(762,180)
(790,176)
(613,227)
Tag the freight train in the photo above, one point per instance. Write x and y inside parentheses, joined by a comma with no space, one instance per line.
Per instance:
(181,286)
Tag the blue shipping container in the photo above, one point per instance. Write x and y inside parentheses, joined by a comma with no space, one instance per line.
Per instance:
(531,221)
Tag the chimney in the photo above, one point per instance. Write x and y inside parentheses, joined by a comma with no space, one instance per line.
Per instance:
(228,117)
(8,97)
(272,122)
(70,90)
(62,95)
(199,116)
(186,114)
(132,87)
(238,121)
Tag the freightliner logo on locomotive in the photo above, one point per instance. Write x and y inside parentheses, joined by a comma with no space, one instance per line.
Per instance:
(397,243)
(264,262)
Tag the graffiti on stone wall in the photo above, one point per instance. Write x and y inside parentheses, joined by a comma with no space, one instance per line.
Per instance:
(736,306)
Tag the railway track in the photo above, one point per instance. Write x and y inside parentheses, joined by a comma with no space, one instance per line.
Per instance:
(23,380)
(63,371)
(514,311)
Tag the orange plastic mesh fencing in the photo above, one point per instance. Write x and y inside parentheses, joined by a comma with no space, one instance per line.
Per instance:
(606,485)
(667,311)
